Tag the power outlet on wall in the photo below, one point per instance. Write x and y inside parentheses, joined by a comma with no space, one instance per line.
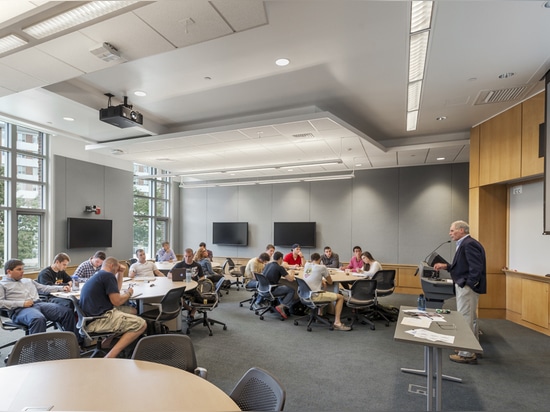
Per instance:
(516,190)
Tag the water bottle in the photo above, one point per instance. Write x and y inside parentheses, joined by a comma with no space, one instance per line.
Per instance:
(76,285)
(421,302)
(188,275)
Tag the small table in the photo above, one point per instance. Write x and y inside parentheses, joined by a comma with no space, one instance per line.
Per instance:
(464,339)
(101,384)
(165,267)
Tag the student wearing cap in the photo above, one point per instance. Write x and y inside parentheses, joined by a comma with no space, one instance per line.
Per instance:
(294,259)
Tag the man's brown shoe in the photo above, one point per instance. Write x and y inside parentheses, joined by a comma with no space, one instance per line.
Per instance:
(463,359)
(478,355)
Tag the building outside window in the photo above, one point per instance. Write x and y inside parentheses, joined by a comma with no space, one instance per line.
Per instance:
(151,209)
(22,194)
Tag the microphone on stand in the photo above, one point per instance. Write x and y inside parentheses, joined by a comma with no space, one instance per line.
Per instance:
(433,251)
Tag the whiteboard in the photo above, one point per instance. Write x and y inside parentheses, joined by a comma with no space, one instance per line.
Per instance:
(529,249)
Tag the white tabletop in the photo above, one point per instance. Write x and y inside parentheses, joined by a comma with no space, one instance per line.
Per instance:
(156,287)
(100,384)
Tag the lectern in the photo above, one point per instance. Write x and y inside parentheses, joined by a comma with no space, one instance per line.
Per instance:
(437,286)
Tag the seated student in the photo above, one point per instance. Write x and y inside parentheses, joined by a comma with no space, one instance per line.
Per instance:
(330,259)
(255,265)
(20,297)
(55,275)
(274,271)
(355,263)
(201,257)
(317,276)
(294,259)
(143,267)
(100,296)
(87,268)
(196,273)
(371,266)
(165,254)
(270,250)
(210,255)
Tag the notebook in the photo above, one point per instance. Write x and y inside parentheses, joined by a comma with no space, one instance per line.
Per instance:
(178,274)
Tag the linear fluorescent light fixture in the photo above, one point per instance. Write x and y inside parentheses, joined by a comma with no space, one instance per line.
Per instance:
(74,17)
(11,42)
(421,21)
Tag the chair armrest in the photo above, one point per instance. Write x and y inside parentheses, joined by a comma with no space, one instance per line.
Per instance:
(202,372)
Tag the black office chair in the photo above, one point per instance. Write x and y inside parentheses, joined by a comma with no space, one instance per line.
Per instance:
(258,390)
(172,350)
(90,337)
(305,293)
(265,290)
(251,287)
(237,274)
(385,285)
(8,325)
(211,300)
(169,307)
(46,346)
(361,298)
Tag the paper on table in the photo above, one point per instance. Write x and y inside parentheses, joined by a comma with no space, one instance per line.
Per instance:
(431,336)
(417,322)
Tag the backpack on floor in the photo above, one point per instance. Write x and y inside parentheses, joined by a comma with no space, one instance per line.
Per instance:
(154,327)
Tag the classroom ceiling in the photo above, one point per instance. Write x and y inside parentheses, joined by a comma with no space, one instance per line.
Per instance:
(218,108)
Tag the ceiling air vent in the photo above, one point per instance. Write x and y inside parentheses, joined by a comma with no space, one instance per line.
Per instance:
(303,135)
(503,95)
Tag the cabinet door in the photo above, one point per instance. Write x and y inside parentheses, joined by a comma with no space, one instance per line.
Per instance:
(534,302)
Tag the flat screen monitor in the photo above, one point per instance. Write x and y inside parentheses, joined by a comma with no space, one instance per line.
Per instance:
(82,233)
(286,234)
(230,233)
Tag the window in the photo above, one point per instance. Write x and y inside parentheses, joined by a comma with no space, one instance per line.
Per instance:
(22,194)
(151,209)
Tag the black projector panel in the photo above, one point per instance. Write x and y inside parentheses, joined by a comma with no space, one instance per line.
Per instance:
(121,116)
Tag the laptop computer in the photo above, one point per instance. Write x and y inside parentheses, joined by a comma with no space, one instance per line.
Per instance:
(178,274)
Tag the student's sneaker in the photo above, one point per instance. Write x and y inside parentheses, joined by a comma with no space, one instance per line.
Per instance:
(463,359)
(281,310)
(341,327)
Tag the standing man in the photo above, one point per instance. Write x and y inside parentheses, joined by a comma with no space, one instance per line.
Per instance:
(294,259)
(20,297)
(143,267)
(86,269)
(274,271)
(330,259)
(165,254)
(468,272)
(100,296)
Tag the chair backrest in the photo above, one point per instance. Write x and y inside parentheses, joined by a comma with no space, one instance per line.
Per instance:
(228,266)
(258,390)
(44,346)
(363,290)
(170,305)
(172,350)
(264,287)
(385,282)
(304,292)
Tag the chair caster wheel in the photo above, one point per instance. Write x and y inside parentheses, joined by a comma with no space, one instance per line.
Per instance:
(331,328)
(210,334)
(296,323)
(372,328)
(261,318)
(241,305)
(309,329)
(387,324)
(225,328)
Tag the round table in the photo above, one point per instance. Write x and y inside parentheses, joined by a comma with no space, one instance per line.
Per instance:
(100,384)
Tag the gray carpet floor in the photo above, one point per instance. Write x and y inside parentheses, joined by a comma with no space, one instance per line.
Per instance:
(359,370)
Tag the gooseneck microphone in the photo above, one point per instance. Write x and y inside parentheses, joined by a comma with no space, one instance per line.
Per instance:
(429,254)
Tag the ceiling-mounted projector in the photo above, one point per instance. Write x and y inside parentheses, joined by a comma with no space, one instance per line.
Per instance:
(122,116)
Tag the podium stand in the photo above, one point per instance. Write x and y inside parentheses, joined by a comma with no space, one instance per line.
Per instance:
(437,287)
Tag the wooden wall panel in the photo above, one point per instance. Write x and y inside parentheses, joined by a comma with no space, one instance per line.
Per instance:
(492,225)
(500,148)
(474,156)
(534,302)
(513,293)
(532,116)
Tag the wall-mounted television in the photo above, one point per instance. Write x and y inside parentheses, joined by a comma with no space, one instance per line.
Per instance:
(83,233)
(285,234)
(230,233)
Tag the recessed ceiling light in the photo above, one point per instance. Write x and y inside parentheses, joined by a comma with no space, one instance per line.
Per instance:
(441,118)
(140,93)
(282,62)
(358,164)
(505,75)
(69,119)
(440,158)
